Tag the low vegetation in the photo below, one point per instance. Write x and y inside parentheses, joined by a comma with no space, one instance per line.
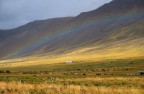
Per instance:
(105,77)
(18,88)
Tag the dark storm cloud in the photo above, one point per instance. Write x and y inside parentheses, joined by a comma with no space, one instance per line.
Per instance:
(14,13)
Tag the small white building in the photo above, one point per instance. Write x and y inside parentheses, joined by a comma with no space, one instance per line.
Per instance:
(70,62)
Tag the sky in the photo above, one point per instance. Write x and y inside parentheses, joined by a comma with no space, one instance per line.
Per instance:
(14,13)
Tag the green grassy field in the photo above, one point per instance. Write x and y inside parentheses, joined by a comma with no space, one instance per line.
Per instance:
(109,74)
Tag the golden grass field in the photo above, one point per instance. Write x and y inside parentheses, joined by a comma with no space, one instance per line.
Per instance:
(44,88)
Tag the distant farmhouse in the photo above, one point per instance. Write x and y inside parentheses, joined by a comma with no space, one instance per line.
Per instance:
(69,62)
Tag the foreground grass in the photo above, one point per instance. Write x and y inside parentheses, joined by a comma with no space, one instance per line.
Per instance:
(88,85)
(106,77)
(18,88)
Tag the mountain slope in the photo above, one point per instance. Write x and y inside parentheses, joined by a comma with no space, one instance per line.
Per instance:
(113,31)
(28,34)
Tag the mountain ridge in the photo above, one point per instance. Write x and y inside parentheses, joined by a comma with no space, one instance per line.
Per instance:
(114,30)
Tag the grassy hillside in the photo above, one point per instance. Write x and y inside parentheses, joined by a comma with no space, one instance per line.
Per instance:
(112,31)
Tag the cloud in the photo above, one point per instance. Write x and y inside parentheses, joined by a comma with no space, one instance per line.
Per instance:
(14,13)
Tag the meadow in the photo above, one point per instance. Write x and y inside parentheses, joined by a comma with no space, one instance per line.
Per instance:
(100,77)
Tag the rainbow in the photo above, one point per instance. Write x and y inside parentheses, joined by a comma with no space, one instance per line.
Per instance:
(31,47)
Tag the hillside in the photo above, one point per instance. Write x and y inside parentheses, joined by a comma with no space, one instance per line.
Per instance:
(113,31)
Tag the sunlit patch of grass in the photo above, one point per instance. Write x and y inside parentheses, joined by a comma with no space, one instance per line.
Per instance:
(18,88)
(85,54)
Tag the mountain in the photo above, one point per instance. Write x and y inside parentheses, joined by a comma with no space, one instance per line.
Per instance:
(28,34)
(113,31)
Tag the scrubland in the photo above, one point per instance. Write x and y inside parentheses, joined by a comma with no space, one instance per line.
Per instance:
(103,77)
